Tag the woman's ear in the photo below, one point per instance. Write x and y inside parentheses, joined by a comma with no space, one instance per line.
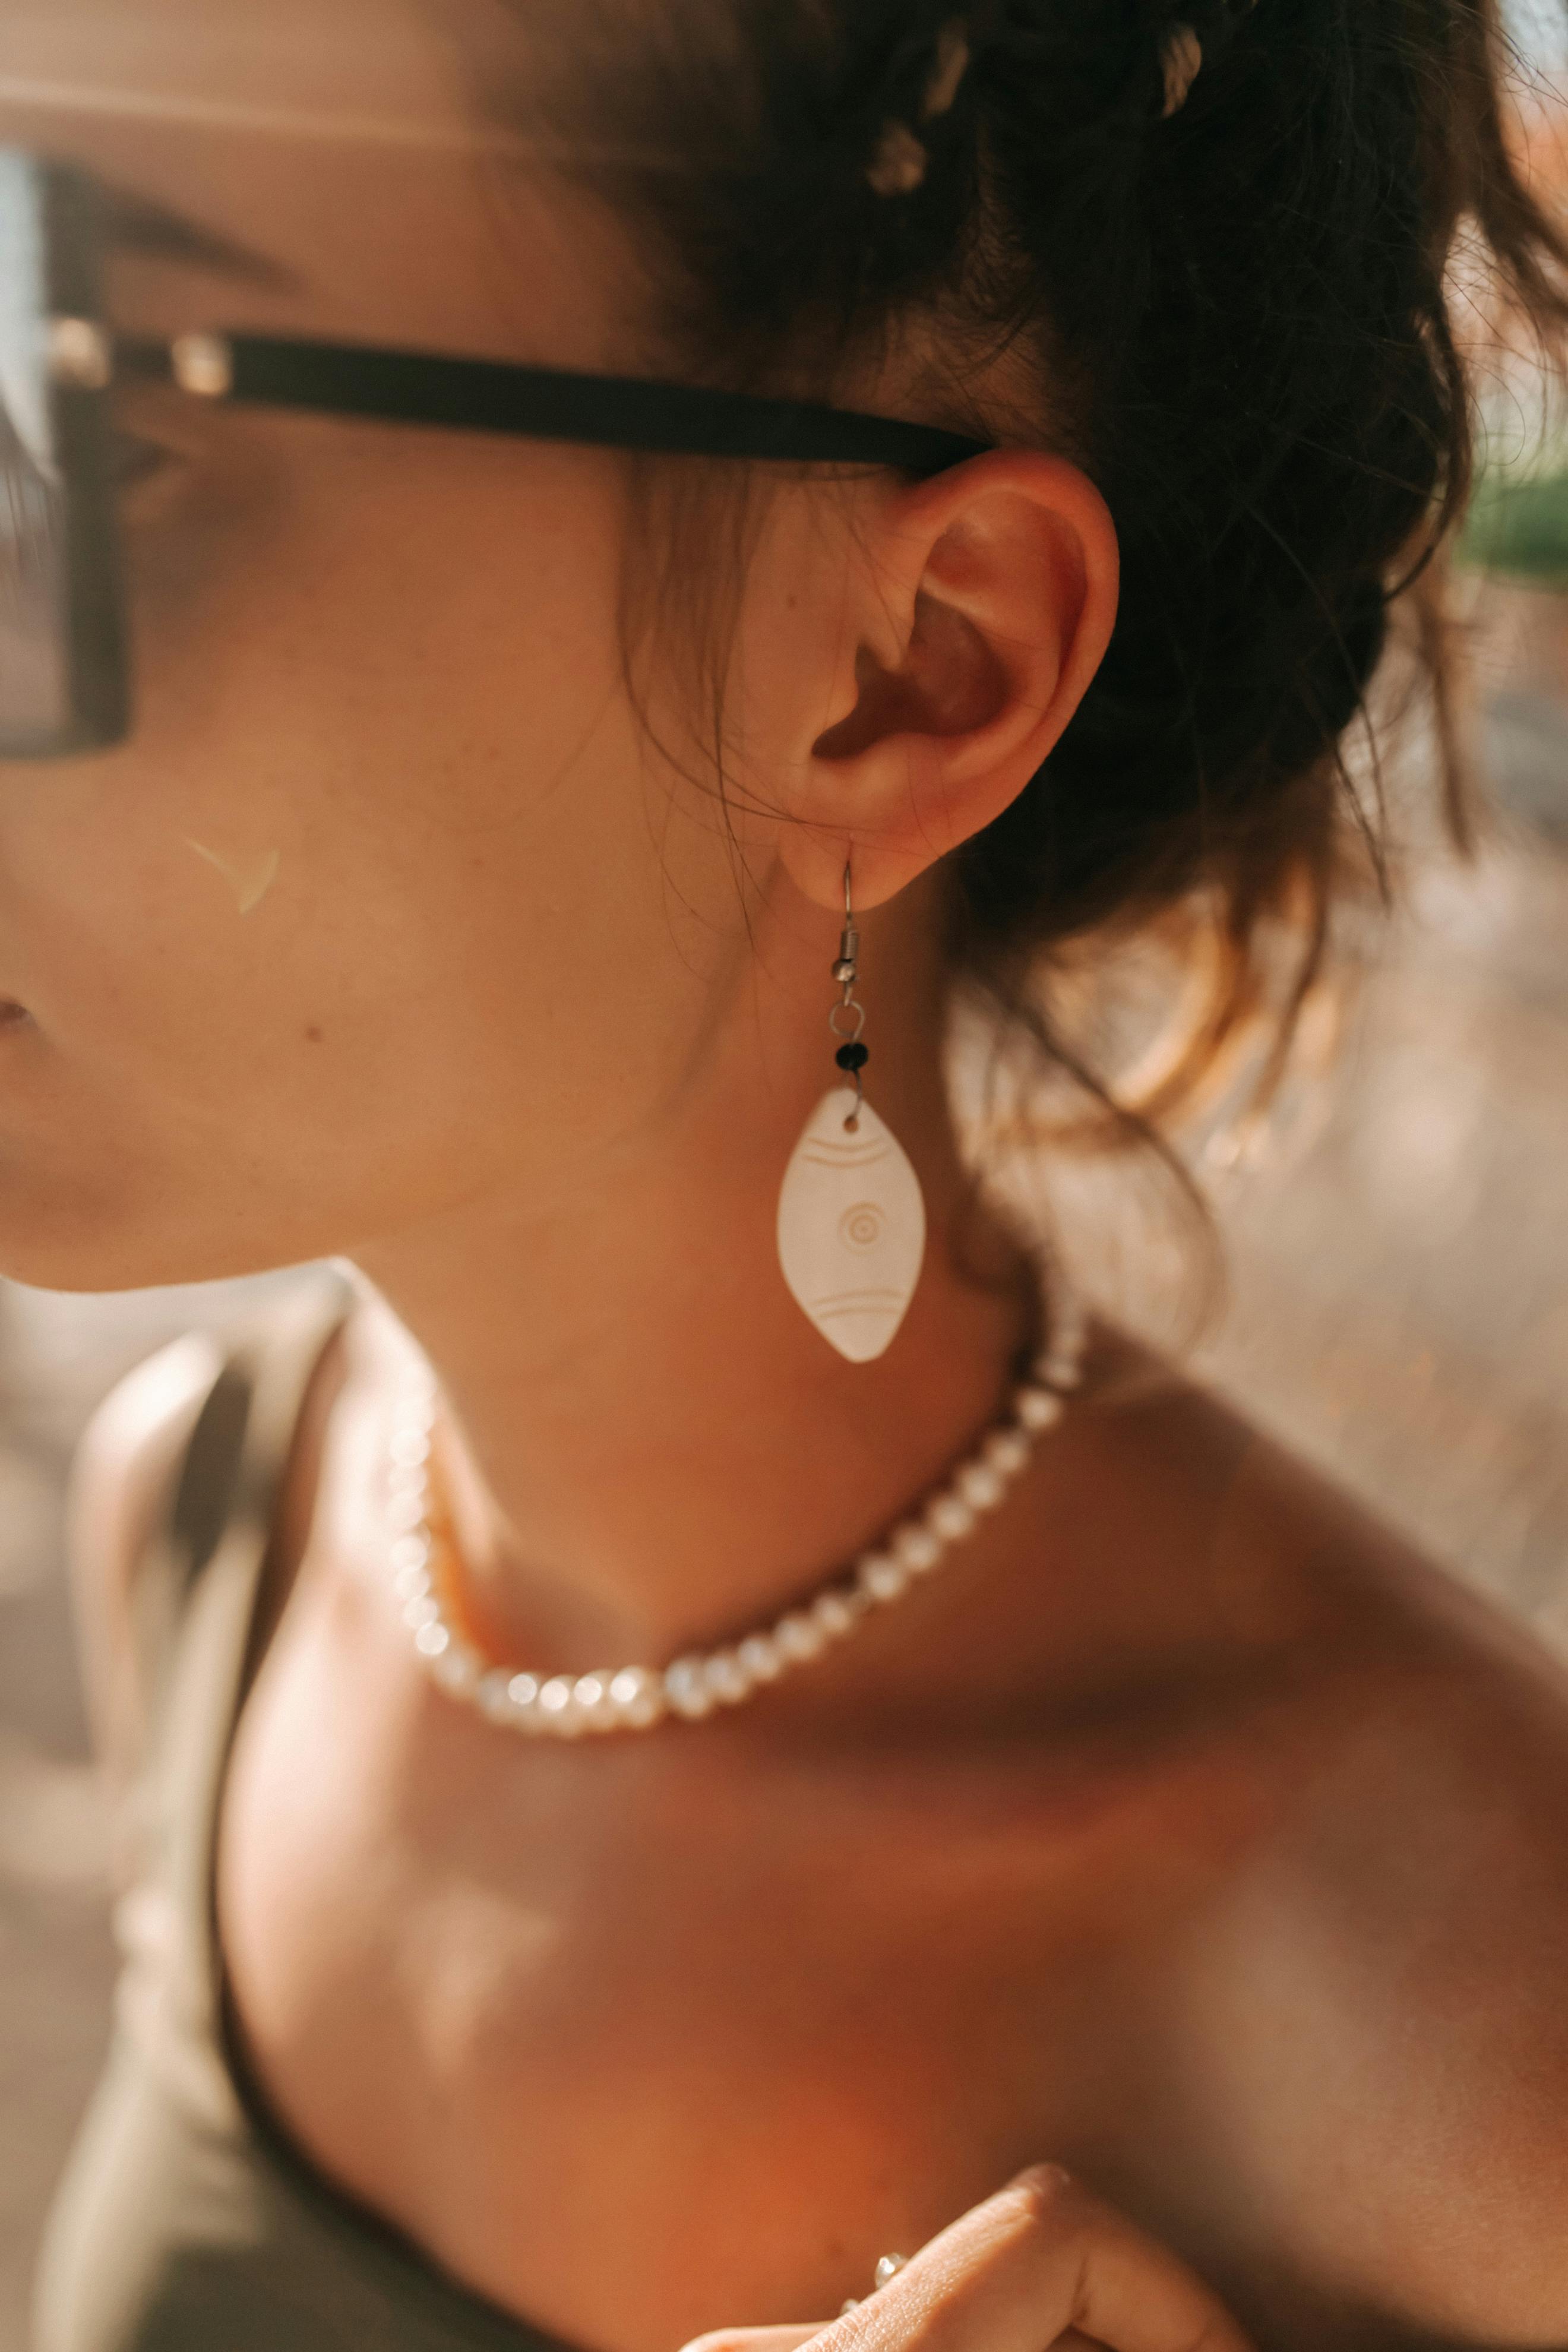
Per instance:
(980,606)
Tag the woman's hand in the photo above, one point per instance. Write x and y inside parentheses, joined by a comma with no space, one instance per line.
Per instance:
(1041,2267)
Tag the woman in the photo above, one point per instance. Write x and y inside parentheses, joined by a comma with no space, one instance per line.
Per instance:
(463,895)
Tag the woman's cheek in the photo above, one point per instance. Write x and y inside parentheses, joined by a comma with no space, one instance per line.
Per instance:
(136,945)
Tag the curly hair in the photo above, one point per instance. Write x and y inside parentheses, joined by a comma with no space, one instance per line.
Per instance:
(1233,305)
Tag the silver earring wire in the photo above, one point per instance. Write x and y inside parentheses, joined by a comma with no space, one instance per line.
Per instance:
(845,972)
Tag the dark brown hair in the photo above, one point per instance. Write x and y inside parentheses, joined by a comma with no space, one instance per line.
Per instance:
(1237,316)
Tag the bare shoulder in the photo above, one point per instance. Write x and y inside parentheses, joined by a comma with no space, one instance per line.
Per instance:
(1374,2004)
(121,1482)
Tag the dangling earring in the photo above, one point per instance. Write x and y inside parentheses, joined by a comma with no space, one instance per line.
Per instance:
(852,1222)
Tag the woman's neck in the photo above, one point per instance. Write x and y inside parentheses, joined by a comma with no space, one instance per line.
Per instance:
(648,1444)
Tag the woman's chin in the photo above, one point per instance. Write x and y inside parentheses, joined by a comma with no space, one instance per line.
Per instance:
(91,1254)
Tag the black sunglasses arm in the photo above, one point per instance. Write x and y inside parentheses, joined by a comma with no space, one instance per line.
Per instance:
(490,396)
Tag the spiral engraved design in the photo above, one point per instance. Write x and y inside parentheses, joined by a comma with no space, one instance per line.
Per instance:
(861,1227)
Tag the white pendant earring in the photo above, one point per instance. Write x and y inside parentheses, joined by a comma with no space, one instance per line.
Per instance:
(851,1221)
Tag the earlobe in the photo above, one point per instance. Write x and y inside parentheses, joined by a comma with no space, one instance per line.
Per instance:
(990,599)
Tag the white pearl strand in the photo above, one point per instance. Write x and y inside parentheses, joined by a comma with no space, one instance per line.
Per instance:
(565,1706)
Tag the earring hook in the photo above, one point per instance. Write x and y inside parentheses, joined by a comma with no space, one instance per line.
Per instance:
(851,1056)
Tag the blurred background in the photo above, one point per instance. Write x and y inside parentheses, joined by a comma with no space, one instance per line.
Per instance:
(1397,1307)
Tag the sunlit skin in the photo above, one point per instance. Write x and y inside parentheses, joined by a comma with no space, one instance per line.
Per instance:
(1187,1833)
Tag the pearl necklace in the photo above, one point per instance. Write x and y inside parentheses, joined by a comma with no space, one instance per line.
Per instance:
(565,1706)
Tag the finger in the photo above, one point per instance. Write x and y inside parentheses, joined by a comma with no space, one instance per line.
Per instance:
(755,2339)
(792,2340)
(1038,2260)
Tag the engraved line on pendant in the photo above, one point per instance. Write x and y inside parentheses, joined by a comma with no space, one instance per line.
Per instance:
(842,1302)
(823,1155)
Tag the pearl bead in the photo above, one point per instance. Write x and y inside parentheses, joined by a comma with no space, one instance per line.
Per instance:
(412,1583)
(760,1656)
(411,1551)
(980,1486)
(522,1693)
(431,1638)
(834,1613)
(557,1712)
(492,1694)
(422,1611)
(726,1677)
(798,1637)
(406,1514)
(918,1547)
(1070,1327)
(1007,1451)
(686,1688)
(410,1448)
(1037,1408)
(1058,1372)
(458,1668)
(881,1578)
(950,1517)
(591,1698)
(637,1696)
